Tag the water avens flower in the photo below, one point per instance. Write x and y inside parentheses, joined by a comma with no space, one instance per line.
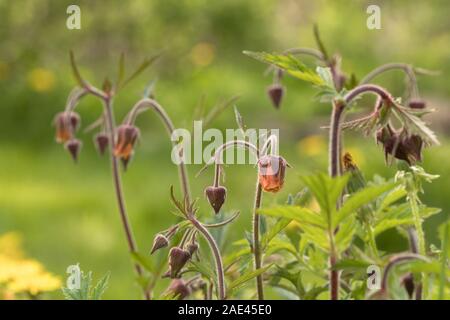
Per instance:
(271,171)
(127,136)
(401,145)
(66,124)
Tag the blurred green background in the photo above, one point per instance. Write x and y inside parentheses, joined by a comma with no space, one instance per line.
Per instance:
(67,213)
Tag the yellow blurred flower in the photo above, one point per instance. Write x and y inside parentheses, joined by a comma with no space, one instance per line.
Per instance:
(41,80)
(18,274)
(35,283)
(312,145)
(202,54)
(11,245)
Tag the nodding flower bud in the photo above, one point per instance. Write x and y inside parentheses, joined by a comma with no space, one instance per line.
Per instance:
(271,171)
(216,196)
(417,104)
(159,242)
(276,93)
(401,145)
(408,282)
(179,289)
(101,142)
(127,136)
(192,248)
(73,146)
(66,124)
(177,259)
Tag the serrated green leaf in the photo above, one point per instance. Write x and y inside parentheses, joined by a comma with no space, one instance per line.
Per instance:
(274,231)
(100,287)
(290,64)
(386,224)
(236,284)
(359,199)
(344,236)
(302,215)
(327,191)
(278,245)
(316,236)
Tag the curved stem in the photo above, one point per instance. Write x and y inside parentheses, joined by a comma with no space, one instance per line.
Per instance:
(216,253)
(368,88)
(257,204)
(408,69)
(118,187)
(400,258)
(150,103)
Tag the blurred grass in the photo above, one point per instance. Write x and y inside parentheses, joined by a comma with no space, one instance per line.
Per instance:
(68,214)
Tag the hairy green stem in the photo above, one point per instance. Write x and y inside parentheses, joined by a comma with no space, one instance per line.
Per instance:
(217,257)
(256,243)
(412,198)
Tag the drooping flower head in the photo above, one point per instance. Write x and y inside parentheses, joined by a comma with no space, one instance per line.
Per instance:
(127,136)
(271,171)
(401,145)
(66,124)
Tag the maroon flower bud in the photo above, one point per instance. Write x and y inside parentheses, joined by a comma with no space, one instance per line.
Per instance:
(408,283)
(401,145)
(417,104)
(192,247)
(127,136)
(276,93)
(177,259)
(179,289)
(73,146)
(271,171)
(101,142)
(216,196)
(159,242)
(66,124)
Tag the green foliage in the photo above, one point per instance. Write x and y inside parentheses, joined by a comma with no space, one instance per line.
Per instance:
(290,64)
(86,290)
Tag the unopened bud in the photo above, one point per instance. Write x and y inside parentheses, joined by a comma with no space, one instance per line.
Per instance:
(276,93)
(417,104)
(192,247)
(159,242)
(101,142)
(408,283)
(73,146)
(177,259)
(216,196)
(179,289)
